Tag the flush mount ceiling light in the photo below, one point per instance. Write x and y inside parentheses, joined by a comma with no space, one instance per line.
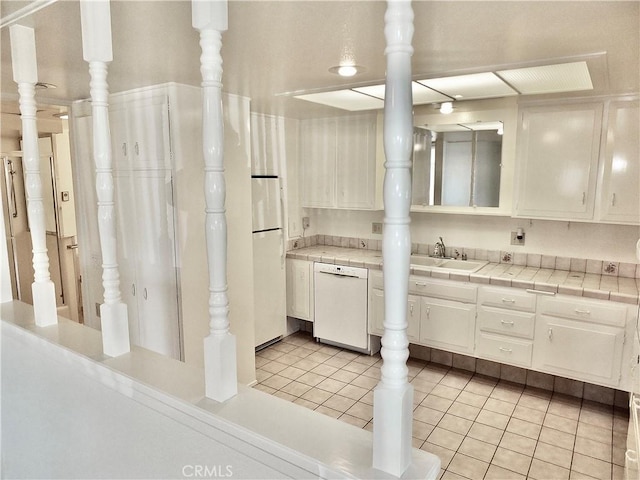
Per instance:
(446,107)
(347,70)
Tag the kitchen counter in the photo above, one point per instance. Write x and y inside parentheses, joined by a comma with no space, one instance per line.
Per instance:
(582,284)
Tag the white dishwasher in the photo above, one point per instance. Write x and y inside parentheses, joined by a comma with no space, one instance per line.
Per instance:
(341,305)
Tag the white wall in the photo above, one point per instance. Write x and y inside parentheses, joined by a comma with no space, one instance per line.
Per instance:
(578,240)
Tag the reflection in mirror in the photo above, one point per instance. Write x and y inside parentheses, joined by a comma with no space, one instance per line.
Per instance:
(457,165)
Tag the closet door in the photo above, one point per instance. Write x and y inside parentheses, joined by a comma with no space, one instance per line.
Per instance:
(127,246)
(156,266)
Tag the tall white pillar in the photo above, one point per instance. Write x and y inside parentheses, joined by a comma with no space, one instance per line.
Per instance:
(393,396)
(25,74)
(95,16)
(209,17)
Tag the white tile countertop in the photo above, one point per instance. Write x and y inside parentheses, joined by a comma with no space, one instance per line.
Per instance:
(555,280)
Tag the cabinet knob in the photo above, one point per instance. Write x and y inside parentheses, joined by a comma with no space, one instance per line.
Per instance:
(550,334)
(411,309)
(428,311)
(584,197)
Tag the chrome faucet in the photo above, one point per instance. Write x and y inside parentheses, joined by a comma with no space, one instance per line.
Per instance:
(439,250)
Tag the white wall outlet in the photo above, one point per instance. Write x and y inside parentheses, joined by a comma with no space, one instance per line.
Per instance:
(376,227)
(306,222)
(517,238)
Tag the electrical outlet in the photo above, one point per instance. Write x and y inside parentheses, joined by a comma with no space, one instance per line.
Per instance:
(305,222)
(376,227)
(515,240)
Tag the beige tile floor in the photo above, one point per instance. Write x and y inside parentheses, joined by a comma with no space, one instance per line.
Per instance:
(480,427)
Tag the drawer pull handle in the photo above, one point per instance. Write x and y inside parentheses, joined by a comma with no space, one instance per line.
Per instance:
(584,197)
(421,284)
(506,350)
(428,311)
(411,309)
(133,289)
(582,312)
(124,149)
(506,322)
(145,294)
(613,200)
(508,300)
(550,334)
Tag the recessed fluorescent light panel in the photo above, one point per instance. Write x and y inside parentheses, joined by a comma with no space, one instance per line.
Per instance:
(475,85)
(344,99)
(421,94)
(565,77)
(483,125)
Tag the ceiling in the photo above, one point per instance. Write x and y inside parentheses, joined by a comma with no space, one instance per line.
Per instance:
(274,49)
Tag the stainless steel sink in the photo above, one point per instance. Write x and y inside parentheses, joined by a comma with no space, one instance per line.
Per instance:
(450,264)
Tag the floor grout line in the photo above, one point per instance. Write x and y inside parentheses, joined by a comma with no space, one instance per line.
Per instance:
(453,379)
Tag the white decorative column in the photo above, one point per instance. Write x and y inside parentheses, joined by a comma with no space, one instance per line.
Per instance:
(393,396)
(25,74)
(209,17)
(95,16)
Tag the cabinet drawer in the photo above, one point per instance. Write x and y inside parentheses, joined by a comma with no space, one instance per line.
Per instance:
(506,322)
(504,349)
(510,298)
(605,313)
(462,292)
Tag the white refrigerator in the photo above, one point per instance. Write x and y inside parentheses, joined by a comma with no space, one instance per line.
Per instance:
(269,272)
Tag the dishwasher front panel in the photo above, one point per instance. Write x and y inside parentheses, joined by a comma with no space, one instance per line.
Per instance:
(341,305)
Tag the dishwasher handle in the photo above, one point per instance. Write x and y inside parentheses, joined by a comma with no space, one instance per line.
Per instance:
(344,275)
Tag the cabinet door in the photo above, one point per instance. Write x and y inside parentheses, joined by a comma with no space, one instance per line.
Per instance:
(620,197)
(127,246)
(119,137)
(447,325)
(376,312)
(318,160)
(558,150)
(299,289)
(356,162)
(148,129)
(156,268)
(266,144)
(376,317)
(579,350)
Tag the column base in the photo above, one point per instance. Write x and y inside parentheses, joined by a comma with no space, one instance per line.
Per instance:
(392,426)
(115,329)
(220,367)
(44,303)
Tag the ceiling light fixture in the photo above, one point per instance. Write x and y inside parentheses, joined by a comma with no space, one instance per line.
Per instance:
(446,107)
(346,70)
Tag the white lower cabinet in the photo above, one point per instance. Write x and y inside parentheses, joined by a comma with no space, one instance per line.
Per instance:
(447,324)
(300,289)
(376,309)
(580,339)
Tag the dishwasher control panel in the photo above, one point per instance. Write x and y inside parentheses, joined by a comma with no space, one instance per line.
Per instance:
(342,270)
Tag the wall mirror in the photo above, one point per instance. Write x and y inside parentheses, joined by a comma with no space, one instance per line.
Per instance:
(457,165)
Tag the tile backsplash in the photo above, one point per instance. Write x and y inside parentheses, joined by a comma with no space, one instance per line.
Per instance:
(600,267)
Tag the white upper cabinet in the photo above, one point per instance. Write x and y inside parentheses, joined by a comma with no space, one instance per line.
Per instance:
(620,192)
(318,161)
(355,162)
(558,151)
(140,134)
(267,144)
(338,158)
